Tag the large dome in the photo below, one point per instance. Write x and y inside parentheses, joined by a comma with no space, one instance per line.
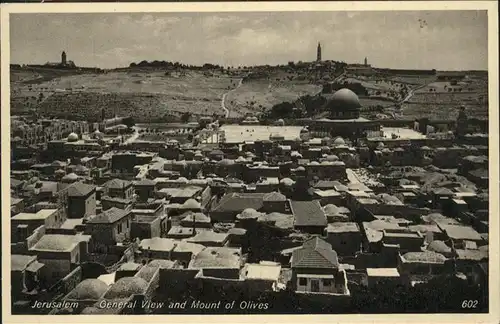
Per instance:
(344,99)
(73,137)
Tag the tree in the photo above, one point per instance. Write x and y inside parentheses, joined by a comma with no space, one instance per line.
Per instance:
(185,117)
(129,122)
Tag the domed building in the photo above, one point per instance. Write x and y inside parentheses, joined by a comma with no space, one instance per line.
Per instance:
(126,287)
(338,141)
(344,104)
(344,108)
(73,137)
(88,289)
(248,213)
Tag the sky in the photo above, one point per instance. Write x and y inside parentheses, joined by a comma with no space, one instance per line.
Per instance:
(447,40)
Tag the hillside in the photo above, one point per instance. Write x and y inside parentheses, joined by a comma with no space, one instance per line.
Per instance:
(145,95)
(151,94)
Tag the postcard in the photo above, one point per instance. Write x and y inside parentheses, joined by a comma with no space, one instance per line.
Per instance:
(250,162)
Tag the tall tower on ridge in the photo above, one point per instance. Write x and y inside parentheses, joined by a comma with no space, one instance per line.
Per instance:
(63,58)
(366,61)
(318,54)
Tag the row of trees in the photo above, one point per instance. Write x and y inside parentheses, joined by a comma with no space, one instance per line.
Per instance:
(355,87)
(166,64)
(305,106)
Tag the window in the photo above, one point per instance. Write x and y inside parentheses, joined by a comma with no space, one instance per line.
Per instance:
(119,228)
(302,281)
(327,282)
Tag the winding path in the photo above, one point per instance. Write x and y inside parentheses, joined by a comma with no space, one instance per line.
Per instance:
(223,99)
(410,94)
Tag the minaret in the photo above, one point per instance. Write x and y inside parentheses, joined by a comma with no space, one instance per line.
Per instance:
(462,122)
(63,58)
(318,54)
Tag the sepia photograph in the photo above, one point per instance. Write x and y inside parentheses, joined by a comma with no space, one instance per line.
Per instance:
(244,160)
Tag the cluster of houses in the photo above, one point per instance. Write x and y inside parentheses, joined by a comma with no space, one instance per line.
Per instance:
(115,227)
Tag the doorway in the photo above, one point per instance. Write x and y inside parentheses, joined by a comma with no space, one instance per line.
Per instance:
(315,285)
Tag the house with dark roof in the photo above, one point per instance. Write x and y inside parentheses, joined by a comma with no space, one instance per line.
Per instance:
(118,188)
(185,194)
(110,227)
(315,269)
(81,200)
(309,216)
(108,202)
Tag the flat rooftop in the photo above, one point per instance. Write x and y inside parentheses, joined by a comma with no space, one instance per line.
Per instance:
(403,133)
(382,272)
(251,133)
(40,215)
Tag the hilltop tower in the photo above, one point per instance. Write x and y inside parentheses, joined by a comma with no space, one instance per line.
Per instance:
(366,61)
(318,53)
(63,58)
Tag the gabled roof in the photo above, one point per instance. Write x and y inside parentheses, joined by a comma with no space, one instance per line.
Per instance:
(308,213)
(80,189)
(109,216)
(315,253)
